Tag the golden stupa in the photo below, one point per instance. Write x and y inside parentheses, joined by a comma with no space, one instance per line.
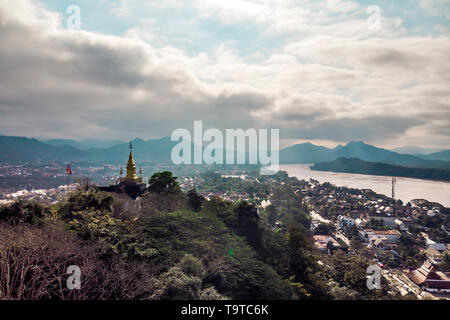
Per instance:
(131,176)
(131,184)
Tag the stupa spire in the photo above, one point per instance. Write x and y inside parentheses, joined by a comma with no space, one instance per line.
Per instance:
(131,165)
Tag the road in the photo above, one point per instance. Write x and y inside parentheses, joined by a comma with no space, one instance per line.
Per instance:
(317,217)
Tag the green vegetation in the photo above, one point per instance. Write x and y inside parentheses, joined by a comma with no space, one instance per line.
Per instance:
(171,245)
(324,228)
(163,182)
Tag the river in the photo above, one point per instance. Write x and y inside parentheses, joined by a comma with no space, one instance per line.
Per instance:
(406,189)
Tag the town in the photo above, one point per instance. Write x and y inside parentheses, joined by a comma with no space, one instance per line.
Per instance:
(410,242)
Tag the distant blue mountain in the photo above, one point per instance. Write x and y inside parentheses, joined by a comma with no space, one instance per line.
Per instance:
(443,156)
(418,151)
(354,165)
(158,150)
(305,153)
(19,149)
(309,153)
(82,144)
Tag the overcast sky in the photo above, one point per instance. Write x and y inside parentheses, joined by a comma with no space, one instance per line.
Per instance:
(314,69)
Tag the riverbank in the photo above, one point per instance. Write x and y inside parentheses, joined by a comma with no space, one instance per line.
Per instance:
(407,189)
(354,165)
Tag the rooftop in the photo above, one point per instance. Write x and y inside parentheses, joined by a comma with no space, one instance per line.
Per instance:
(383,232)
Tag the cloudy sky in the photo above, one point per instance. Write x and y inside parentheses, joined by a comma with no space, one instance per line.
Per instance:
(318,70)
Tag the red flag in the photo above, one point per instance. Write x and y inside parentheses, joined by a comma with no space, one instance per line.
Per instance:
(69,170)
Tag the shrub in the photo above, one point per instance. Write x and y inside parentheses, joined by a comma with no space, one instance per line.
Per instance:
(23,211)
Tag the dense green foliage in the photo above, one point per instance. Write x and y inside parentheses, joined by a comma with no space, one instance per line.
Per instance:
(171,245)
(324,228)
(163,182)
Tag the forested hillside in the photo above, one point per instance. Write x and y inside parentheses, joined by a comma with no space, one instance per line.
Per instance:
(169,245)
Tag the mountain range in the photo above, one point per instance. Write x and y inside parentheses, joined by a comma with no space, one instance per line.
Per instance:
(84,144)
(354,165)
(416,150)
(20,149)
(310,153)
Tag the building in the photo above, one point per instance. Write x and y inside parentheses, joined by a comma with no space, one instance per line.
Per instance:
(131,184)
(428,279)
(426,272)
(380,239)
(433,255)
(401,225)
(370,235)
(345,222)
(387,221)
(321,242)
(441,247)
(383,243)
(441,286)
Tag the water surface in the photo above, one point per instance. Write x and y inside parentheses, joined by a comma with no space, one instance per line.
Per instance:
(406,188)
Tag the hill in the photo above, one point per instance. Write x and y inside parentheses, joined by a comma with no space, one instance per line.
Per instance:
(417,151)
(354,165)
(443,156)
(162,250)
(309,153)
(305,153)
(157,150)
(172,245)
(19,149)
(82,144)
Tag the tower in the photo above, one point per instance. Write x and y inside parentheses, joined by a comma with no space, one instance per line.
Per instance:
(131,166)
(131,184)
(394,182)
(131,176)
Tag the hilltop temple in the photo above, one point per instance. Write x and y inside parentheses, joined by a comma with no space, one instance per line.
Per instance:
(131,184)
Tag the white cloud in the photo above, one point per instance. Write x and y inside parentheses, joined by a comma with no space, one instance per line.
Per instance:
(336,82)
(342,6)
(122,10)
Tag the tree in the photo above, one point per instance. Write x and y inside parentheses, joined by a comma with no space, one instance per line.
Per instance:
(34,261)
(303,265)
(163,182)
(248,224)
(272,215)
(79,201)
(185,281)
(194,200)
(324,228)
(26,211)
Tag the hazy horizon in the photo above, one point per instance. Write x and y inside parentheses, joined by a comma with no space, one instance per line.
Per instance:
(283,143)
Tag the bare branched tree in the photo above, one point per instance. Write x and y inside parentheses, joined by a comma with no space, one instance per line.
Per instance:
(85,184)
(34,262)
